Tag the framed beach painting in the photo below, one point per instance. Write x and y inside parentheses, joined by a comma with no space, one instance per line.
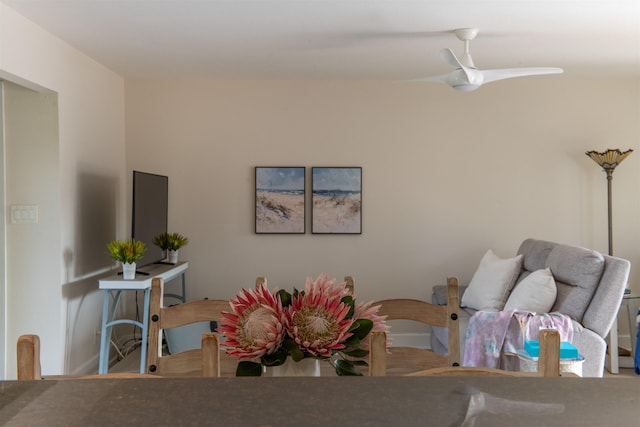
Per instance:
(336,200)
(280,200)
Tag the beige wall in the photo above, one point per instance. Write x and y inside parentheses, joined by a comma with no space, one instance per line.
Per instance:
(61,300)
(446,175)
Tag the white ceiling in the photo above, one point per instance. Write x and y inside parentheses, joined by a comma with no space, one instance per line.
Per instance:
(336,39)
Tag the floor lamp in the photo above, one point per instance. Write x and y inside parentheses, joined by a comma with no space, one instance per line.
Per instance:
(609,160)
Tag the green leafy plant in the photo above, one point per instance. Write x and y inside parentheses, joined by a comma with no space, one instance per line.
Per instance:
(126,251)
(170,241)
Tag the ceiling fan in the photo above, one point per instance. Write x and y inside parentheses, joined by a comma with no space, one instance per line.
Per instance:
(466,77)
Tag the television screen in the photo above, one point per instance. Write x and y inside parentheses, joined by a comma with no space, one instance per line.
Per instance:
(150,212)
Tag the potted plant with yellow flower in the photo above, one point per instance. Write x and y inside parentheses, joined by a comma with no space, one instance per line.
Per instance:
(170,243)
(127,252)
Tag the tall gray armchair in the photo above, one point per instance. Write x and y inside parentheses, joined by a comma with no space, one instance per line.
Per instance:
(590,287)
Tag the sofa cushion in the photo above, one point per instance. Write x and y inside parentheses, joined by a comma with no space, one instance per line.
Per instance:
(536,293)
(535,254)
(492,282)
(577,272)
(440,294)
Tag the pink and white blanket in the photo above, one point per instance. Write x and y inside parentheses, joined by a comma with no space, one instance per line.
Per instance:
(491,334)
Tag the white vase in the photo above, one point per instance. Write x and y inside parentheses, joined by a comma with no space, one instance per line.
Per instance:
(172,256)
(128,270)
(307,367)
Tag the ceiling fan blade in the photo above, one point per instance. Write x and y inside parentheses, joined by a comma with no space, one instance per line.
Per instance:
(431,79)
(450,58)
(463,79)
(507,73)
(467,77)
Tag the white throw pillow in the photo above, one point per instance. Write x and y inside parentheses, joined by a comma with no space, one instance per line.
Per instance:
(535,293)
(492,282)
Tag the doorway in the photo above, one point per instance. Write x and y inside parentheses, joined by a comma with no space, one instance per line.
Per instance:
(29,232)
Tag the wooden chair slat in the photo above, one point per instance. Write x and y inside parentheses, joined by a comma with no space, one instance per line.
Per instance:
(397,360)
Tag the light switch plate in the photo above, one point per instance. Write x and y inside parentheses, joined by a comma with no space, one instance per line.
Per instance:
(24,214)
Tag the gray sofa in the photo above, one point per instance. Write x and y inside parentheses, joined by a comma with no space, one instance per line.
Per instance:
(590,288)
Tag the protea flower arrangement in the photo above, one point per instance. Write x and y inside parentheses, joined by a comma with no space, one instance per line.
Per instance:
(322,321)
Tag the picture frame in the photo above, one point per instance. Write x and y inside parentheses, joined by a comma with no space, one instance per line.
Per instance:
(336,200)
(280,200)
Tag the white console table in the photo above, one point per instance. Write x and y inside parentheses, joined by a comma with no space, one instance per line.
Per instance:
(113,286)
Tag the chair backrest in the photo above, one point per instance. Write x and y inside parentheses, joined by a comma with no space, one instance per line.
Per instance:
(549,357)
(28,357)
(400,359)
(28,360)
(203,361)
(548,362)
(349,284)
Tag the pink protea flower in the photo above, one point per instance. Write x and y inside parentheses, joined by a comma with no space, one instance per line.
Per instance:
(366,310)
(256,326)
(316,318)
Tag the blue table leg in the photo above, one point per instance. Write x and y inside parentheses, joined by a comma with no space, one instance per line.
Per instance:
(108,320)
(103,366)
(145,327)
(184,288)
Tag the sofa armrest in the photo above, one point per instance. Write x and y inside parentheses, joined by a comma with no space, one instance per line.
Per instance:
(605,304)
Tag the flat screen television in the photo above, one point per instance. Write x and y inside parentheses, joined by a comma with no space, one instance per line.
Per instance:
(150,209)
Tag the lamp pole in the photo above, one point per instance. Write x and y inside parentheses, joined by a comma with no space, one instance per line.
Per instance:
(609,160)
(609,214)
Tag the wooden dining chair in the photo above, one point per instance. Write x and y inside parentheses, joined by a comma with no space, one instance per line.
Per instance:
(28,357)
(350,284)
(399,360)
(29,365)
(548,362)
(260,280)
(204,361)
(549,357)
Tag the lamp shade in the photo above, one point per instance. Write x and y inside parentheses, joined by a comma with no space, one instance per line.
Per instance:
(609,159)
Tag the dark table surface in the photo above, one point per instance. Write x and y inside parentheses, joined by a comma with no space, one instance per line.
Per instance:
(323,401)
